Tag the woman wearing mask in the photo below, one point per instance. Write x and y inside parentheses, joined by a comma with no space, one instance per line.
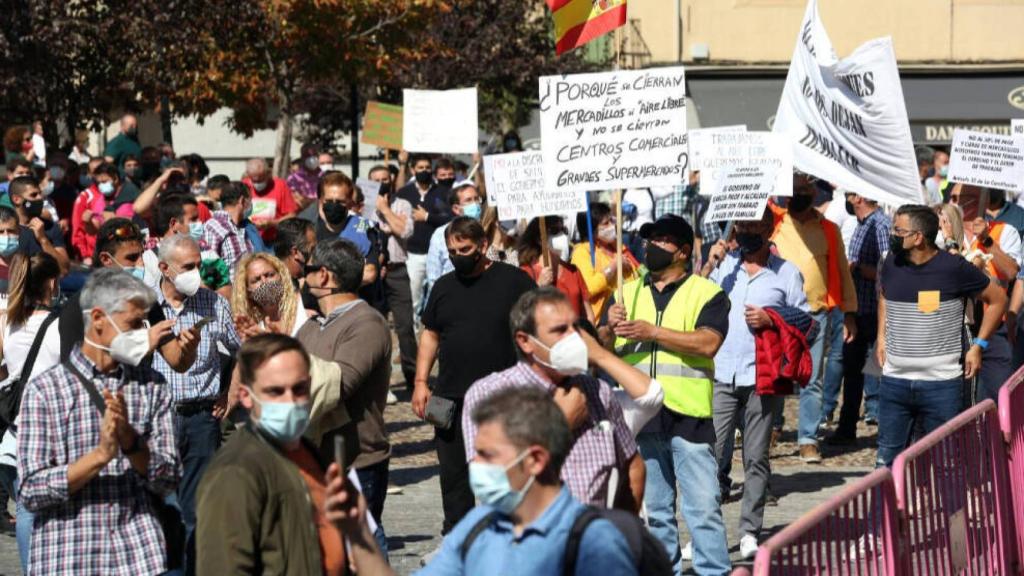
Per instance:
(502,247)
(31,315)
(601,276)
(9,244)
(951,229)
(263,298)
(559,273)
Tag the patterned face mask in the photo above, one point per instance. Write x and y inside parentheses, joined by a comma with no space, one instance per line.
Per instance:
(268,294)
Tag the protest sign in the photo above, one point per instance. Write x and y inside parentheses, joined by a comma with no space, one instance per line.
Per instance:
(1017,126)
(987,160)
(624,129)
(846,118)
(441,121)
(726,150)
(741,193)
(515,184)
(698,142)
(382,125)
(370,190)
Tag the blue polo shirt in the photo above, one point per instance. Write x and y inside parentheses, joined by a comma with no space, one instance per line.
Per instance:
(777,284)
(540,549)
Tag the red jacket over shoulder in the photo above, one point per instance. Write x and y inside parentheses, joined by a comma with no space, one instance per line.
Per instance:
(783,357)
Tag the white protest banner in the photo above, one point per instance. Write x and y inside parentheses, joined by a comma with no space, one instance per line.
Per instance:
(988,160)
(1017,126)
(741,193)
(723,151)
(624,129)
(699,142)
(515,184)
(370,190)
(846,118)
(442,121)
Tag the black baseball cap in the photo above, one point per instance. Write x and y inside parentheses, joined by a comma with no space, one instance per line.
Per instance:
(669,225)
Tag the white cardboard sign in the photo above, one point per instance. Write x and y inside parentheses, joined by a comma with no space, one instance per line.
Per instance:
(1017,126)
(613,130)
(440,121)
(741,193)
(515,184)
(699,144)
(726,150)
(989,160)
(370,190)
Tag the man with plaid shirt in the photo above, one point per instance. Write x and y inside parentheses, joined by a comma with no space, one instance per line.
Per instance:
(198,403)
(542,320)
(224,232)
(88,476)
(870,241)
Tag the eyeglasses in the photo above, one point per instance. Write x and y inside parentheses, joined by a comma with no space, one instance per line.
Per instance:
(124,231)
(903,233)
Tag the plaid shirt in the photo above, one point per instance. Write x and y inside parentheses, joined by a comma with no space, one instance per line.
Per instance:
(680,202)
(226,239)
(108,526)
(202,380)
(601,444)
(870,240)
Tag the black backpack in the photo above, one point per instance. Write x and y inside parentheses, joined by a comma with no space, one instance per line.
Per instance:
(648,553)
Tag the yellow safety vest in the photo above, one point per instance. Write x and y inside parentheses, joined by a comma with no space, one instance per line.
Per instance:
(687,380)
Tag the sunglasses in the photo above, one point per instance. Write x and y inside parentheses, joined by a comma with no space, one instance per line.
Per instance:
(125,231)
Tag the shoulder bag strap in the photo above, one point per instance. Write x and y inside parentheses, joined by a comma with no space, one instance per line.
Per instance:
(37,343)
(90,388)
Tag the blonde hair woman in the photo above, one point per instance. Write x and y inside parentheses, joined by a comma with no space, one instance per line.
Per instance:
(263,298)
(951,228)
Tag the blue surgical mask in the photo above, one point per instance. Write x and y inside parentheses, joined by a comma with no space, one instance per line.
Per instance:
(944,171)
(139,272)
(8,245)
(195,230)
(106,188)
(285,422)
(489,483)
(473,210)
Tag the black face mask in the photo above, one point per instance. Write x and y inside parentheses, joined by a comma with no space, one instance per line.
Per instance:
(896,246)
(749,242)
(424,177)
(33,208)
(335,212)
(799,203)
(465,265)
(849,208)
(657,258)
(385,189)
(446,182)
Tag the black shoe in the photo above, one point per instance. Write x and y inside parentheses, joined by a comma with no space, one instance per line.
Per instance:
(770,499)
(841,440)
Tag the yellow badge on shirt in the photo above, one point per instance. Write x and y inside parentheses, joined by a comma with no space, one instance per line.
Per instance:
(928,301)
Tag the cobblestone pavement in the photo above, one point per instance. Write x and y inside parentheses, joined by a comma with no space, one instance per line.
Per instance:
(413,517)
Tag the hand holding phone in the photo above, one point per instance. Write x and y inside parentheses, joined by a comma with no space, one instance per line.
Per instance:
(339,454)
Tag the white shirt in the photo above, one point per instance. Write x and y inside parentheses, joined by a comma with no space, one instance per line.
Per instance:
(16,348)
(39,147)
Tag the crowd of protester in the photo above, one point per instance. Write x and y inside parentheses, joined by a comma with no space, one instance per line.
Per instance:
(196,366)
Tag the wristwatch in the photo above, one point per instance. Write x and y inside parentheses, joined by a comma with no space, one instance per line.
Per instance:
(135,447)
(982,343)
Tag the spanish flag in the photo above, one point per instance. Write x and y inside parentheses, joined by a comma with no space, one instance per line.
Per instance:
(580,21)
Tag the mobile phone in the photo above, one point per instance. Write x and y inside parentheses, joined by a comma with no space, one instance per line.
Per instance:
(203,322)
(339,454)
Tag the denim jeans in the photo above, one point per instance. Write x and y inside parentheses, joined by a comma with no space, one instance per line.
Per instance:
(672,461)
(871,385)
(996,366)
(826,368)
(374,481)
(198,437)
(23,530)
(903,402)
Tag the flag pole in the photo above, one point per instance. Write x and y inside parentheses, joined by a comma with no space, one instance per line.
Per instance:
(618,244)
(590,236)
(545,253)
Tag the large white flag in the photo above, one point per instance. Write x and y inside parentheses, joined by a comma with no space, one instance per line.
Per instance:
(846,118)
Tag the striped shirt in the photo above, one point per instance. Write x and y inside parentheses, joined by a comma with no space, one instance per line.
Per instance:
(108,526)
(226,239)
(604,442)
(924,315)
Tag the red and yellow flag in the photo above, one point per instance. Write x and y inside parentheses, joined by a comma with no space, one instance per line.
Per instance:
(580,21)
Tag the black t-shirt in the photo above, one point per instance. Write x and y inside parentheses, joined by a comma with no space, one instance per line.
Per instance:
(924,315)
(435,202)
(30,246)
(471,317)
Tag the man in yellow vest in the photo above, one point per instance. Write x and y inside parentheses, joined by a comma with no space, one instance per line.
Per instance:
(670,324)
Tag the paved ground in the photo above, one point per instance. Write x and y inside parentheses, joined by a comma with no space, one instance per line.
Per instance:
(413,517)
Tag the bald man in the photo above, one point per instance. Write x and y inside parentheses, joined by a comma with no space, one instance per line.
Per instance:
(125,143)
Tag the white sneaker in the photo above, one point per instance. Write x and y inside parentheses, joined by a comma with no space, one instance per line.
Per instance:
(748,546)
(392,399)
(687,552)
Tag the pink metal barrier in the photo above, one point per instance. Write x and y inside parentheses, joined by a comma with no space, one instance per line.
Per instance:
(855,532)
(1011,423)
(952,488)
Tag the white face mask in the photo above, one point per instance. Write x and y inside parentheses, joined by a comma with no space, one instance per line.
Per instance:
(606,233)
(260,186)
(560,244)
(127,347)
(187,283)
(568,356)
